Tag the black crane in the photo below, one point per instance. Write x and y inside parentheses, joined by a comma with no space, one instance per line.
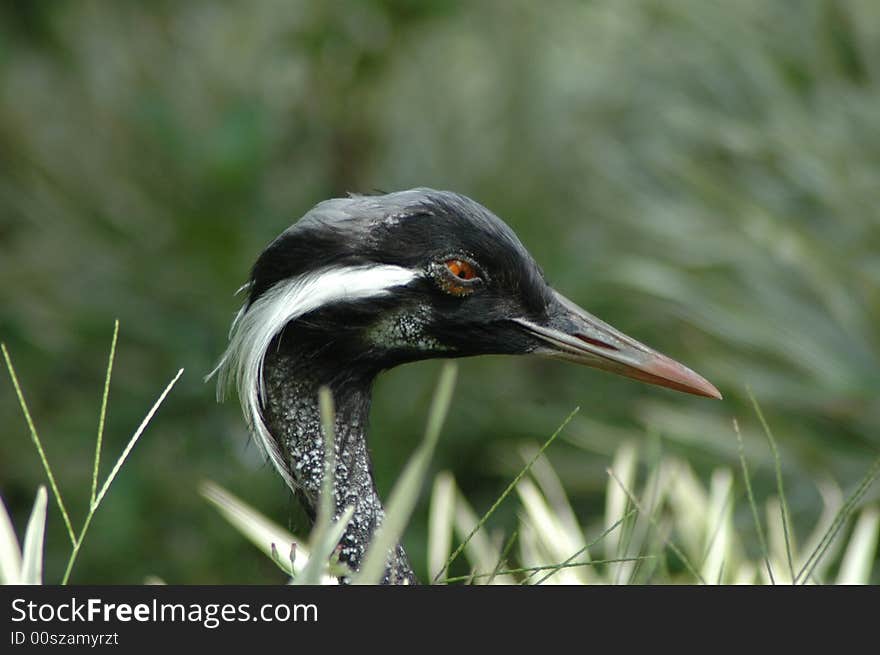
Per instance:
(362,284)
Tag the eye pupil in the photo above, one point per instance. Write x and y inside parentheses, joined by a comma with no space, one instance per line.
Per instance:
(456,276)
(460,269)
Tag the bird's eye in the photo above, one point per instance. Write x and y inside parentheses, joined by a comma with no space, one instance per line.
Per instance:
(461,269)
(456,276)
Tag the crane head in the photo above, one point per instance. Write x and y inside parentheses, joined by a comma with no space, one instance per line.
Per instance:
(371,282)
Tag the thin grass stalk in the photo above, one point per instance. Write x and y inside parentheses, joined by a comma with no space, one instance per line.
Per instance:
(93,507)
(39,444)
(665,540)
(639,534)
(504,494)
(783,504)
(760,530)
(840,518)
(405,493)
(131,443)
(601,536)
(103,414)
(538,569)
(503,557)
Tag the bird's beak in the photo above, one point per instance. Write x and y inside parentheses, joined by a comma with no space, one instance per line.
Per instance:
(573,334)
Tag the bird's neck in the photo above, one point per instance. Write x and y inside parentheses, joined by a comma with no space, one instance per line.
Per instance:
(293,417)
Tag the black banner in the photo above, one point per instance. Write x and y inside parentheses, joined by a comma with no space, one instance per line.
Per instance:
(128,617)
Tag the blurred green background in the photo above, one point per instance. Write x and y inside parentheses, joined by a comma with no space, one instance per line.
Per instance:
(703,175)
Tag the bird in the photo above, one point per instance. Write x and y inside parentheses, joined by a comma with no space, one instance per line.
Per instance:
(364,283)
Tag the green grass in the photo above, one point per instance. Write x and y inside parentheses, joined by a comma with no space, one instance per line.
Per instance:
(406,490)
(683,530)
(664,527)
(96,495)
(702,175)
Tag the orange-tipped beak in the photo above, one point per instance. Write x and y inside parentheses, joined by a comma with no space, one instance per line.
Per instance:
(577,336)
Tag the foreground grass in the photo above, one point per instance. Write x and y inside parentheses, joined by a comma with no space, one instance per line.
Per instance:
(27,569)
(665,528)
(674,531)
(703,173)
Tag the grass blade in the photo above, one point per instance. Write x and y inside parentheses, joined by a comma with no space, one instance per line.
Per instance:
(327,502)
(553,539)
(10,553)
(616,501)
(326,533)
(760,530)
(103,414)
(131,443)
(506,493)
(855,568)
(260,531)
(406,489)
(538,569)
(323,544)
(718,525)
(32,553)
(480,552)
(503,557)
(39,444)
(604,534)
(440,520)
(93,507)
(783,503)
(665,539)
(838,522)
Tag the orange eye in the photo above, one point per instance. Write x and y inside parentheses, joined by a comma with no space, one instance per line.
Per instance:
(457,277)
(461,269)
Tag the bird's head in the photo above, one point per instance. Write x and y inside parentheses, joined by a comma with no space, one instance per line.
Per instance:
(370,282)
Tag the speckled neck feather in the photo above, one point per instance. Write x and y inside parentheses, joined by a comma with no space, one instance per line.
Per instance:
(292,415)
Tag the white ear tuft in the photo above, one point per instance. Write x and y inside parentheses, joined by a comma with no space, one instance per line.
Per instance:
(256,326)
